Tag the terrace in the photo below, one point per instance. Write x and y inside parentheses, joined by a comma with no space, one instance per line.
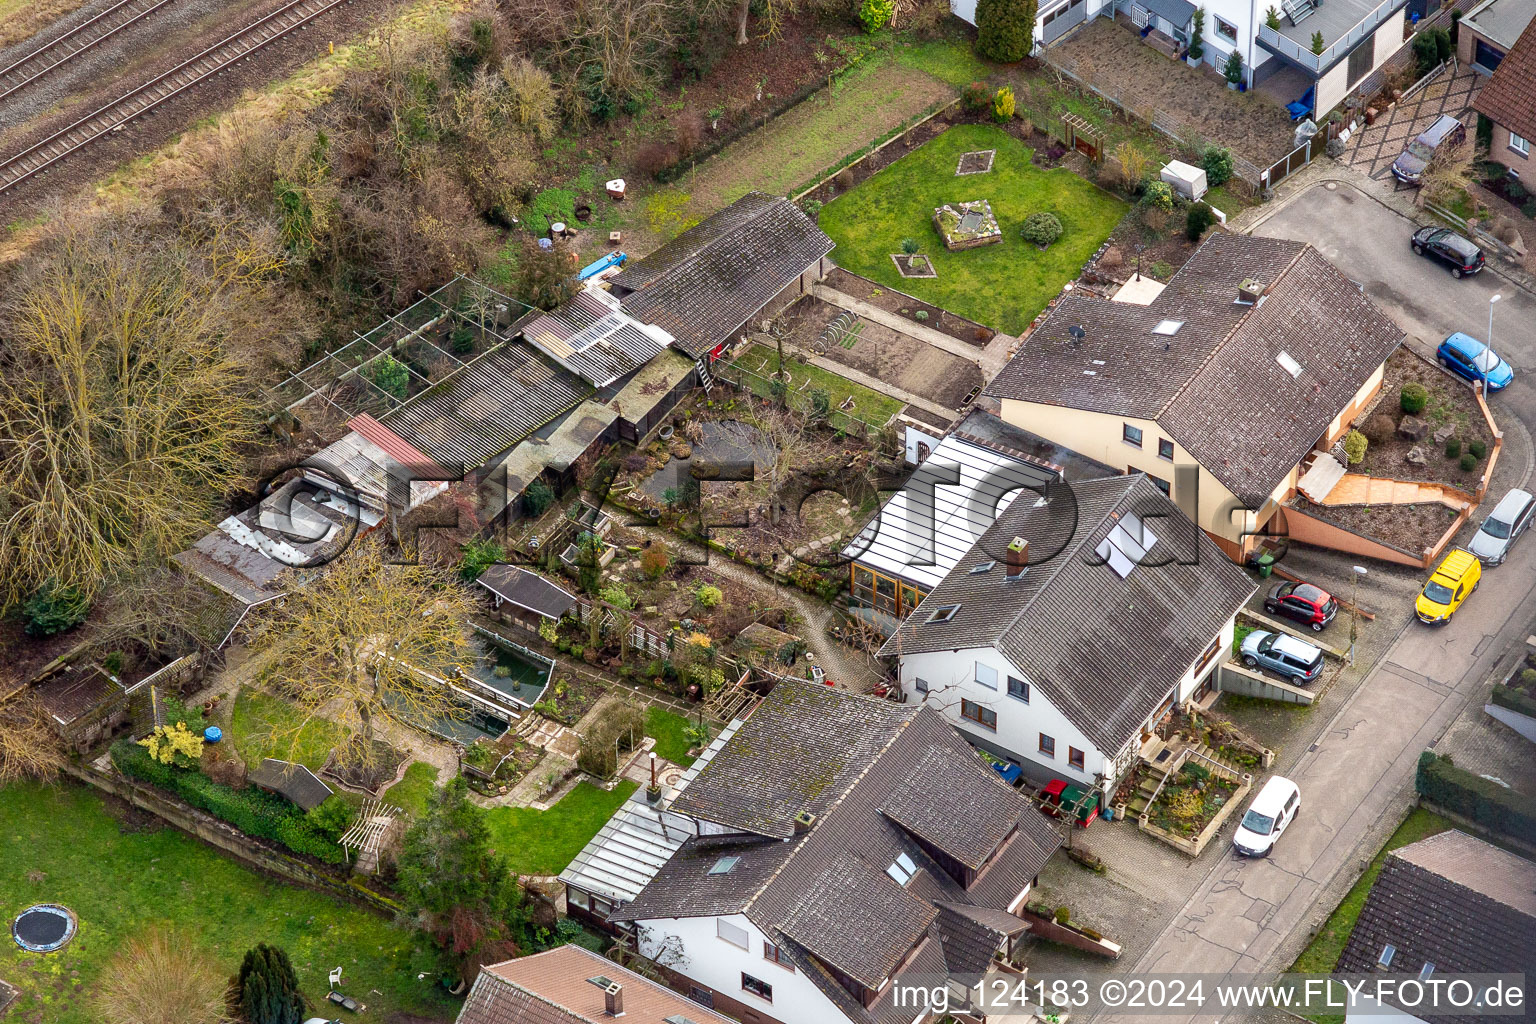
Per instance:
(1343,23)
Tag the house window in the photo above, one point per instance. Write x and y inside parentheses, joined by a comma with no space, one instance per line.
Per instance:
(944,613)
(1018,688)
(734,934)
(1486,57)
(981,716)
(1075,758)
(772,952)
(1161,484)
(757,987)
(1165,449)
(1519,145)
(902,869)
(577,898)
(986,676)
(1130,434)
(1208,656)
(601,906)
(1048,745)
(1387,953)
(1226,30)
(1361,59)
(921,685)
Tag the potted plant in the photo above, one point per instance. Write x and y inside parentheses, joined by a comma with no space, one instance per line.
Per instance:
(1196,39)
(1234,70)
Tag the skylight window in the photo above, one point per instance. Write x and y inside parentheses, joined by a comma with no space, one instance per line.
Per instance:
(902,869)
(944,613)
(678,1018)
(724,865)
(599,981)
(977,570)
(1168,327)
(1387,953)
(1292,367)
(1426,970)
(1126,545)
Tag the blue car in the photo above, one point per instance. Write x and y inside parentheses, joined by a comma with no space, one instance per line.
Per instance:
(1467,357)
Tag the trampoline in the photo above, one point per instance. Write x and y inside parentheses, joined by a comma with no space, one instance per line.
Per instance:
(44,928)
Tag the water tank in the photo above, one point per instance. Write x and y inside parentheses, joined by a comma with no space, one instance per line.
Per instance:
(212,734)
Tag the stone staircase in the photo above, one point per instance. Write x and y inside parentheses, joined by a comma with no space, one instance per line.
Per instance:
(1156,772)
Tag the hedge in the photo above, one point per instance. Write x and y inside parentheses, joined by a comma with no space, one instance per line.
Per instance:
(1466,793)
(253,812)
(1515,700)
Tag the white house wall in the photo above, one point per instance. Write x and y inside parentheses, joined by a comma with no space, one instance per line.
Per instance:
(965,10)
(718,964)
(952,676)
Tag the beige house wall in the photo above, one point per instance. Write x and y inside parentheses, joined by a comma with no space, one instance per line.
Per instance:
(1333,87)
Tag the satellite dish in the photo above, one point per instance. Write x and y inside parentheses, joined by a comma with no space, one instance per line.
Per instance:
(1077,333)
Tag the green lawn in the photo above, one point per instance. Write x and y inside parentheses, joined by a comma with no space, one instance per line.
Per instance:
(669,730)
(1002,285)
(412,791)
(545,842)
(265,726)
(870,406)
(1323,952)
(61,845)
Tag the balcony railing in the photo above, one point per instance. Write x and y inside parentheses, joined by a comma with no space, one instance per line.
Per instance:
(1317,62)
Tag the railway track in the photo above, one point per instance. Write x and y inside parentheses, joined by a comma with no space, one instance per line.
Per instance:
(78,40)
(115,116)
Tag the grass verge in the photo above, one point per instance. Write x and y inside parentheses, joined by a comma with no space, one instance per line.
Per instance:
(1003,285)
(413,791)
(266,726)
(120,873)
(669,730)
(545,842)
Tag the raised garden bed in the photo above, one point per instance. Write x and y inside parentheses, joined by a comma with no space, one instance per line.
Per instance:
(1409,528)
(892,301)
(916,265)
(568,699)
(968,224)
(492,768)
(1192,803)
(1452,412)
(975,162)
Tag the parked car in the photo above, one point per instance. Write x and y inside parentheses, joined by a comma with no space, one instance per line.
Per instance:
(1283,654)
(1452,582)
(1467,357)
(1503,527)
(1272,810)
(1310,605)
(1409,167)
(1460,254)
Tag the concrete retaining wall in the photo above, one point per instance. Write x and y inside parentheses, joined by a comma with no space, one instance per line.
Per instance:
(1525,725)
(1232,678)
(231,840)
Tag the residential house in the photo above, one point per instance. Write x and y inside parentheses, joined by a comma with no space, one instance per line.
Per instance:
(1071,627)
(1449,904)
(1499,37)
(1054,18)
(1217,386)
(572,985)
(842,841)
(708,286)
(961,483)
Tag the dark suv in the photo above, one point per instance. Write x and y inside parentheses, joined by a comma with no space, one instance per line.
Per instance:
(1460,254)
(1307,604)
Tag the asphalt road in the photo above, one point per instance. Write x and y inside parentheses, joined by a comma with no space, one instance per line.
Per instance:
(1362,768)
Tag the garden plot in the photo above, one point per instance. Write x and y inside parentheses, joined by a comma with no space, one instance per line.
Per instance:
(1004,284)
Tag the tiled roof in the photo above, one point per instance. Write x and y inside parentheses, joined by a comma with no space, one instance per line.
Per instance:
(1509,98)
(489,405)
(703,285)
(1453,901)
(527,590)
(68,695)
(806,888)
(1101,648)
(553,987)
(1215,382)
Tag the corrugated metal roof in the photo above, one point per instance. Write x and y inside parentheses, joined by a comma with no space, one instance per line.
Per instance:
(944,507)
(595,340)
(485,408)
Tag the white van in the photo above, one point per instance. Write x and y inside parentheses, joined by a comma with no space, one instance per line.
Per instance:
(1503,527)
(1271,811)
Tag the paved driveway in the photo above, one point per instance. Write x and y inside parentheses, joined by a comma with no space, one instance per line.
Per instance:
(1372,150)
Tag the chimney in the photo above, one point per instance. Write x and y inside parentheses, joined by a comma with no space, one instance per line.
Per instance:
(1249,291)
(803,822)
(613,1000)
(1018,557)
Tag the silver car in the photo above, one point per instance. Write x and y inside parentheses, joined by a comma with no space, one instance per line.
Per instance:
(1504,525)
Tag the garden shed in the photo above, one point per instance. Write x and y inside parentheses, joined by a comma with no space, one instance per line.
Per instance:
(292,781)
(525,598)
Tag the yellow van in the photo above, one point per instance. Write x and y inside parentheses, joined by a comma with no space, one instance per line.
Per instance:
(1453,580)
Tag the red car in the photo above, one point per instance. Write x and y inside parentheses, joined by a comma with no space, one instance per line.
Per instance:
(1308,604)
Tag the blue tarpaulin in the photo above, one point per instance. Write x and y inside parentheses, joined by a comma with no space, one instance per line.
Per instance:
(613,259)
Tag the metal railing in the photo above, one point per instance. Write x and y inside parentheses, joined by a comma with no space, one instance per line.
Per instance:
(1316,62)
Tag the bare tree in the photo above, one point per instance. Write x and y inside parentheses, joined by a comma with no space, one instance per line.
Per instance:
(369,642)
(793,443)
(159,977)
(29,748)
(123,421)
(1449,172)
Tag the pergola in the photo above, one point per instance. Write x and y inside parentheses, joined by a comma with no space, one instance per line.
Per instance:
(366,836)
(1082,135)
